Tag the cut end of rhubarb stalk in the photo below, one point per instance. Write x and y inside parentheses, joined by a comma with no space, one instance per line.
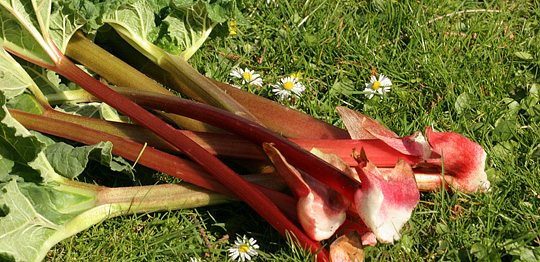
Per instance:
(347,248)
(464,160)
(386,204)
(321,210)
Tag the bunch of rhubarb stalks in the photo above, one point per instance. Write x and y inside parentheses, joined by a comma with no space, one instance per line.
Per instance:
(364,182)
(360,185)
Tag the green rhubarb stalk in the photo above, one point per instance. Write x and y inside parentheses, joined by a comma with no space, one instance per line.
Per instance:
(119,73)
(104,203)
(185,77)
(143,199)
(268,112)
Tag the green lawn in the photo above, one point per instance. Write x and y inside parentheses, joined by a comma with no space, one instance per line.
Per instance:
(470,67)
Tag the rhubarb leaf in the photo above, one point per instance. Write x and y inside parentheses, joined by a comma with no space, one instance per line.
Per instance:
(48,81)
(186,28)
(13,78)
(35,202)
(29,28)
(178,27)
(31,212)
(25,102)
(18,148)
(22,228)
(71,161)
(191,22)
(14,32)
(83,109)
(33,218)
(134,22)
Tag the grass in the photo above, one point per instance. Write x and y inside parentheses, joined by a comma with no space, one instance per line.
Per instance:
(470,67)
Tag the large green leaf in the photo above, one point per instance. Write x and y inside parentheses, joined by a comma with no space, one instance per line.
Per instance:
(33,29)
(13,78)
(185,29)
(180,26)
(134,22)
(22,228)
(33,218)
(20,151)
(71,161)
(20,31)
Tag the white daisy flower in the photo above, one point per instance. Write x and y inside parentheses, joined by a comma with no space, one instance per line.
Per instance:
(243,249)
(287,86)
(247,76)
(381,85)
(194,259)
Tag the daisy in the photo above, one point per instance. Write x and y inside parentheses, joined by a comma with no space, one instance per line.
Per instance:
(194,259)
(247,76)
(243,249)
(287,86)
(381,86)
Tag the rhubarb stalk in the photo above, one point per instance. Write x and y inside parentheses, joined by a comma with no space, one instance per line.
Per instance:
(254,132)
(226,145)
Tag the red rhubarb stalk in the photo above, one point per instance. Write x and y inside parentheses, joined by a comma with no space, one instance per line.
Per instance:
(228,145)
(253,132)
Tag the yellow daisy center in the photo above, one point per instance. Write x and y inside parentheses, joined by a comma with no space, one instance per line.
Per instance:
(247,76)
(243,248)
(288,85)
(376,85)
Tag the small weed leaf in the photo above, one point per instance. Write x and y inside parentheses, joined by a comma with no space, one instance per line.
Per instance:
(523,55)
